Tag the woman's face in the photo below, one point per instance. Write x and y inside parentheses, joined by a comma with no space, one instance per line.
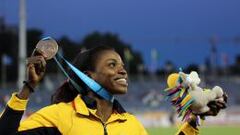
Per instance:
(110,72)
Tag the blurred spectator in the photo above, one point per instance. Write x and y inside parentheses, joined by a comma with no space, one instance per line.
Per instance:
(1,101)
(235,69)
(6,98)
(169,67)
(172,117)
(153,98)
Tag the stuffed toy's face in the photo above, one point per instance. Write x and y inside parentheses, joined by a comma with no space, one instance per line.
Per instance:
(188,80)
(172,80)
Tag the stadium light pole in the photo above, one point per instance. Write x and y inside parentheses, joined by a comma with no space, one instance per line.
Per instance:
(213,42)
(22,42)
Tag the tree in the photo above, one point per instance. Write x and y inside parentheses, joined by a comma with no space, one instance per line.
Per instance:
(33,36)
(192,67)
(69,48)
(235,68)
(95,39)
(9,46)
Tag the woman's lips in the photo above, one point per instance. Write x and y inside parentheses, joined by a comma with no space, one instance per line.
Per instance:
(122,81)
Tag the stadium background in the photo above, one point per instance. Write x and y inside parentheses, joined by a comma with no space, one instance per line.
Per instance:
(149,56)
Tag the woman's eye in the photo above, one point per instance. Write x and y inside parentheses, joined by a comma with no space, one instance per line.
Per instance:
(112,65)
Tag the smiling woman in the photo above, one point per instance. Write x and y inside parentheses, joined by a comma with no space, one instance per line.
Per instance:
(110,73)
(73,113)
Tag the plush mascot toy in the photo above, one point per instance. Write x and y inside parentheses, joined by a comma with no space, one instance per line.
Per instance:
(185,94)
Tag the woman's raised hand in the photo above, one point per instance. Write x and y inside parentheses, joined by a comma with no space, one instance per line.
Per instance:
(36,66)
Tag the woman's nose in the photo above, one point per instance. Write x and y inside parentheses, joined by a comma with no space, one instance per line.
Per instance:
(122,71)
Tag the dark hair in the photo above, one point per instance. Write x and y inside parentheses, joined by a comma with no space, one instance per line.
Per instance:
(84,61)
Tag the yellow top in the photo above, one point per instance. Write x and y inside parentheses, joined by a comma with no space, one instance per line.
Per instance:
(76,118)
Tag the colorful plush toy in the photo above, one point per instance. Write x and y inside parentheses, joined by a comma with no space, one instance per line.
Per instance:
(185,94)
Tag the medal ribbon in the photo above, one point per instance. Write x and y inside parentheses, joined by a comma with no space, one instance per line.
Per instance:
(80,78)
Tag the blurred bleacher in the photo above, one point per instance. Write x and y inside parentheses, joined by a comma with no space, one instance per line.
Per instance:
(144,93)
(144,98)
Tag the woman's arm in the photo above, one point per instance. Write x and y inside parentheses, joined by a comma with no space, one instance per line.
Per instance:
(43,122)
(12,114)
(191,128)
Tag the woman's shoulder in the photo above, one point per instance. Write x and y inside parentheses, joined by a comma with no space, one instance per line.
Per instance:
(131,116)
(61,105)
(55,108)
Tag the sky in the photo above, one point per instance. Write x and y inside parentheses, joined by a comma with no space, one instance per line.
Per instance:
(178,29)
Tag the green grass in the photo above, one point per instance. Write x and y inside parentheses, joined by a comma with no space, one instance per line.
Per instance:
(221,130)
